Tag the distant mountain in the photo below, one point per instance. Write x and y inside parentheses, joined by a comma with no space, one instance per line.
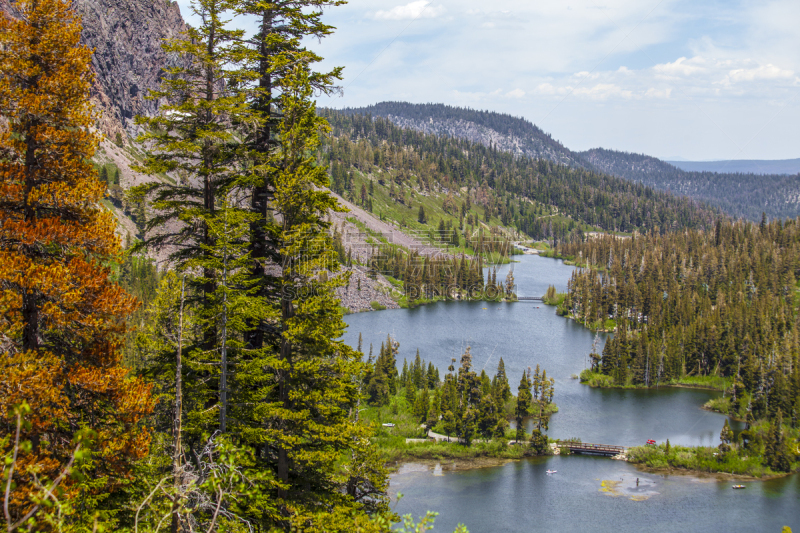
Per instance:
(739,194)
(503,132)
(745,166)
(634,167)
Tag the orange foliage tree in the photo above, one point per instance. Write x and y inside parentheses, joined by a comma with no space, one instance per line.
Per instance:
(61,318)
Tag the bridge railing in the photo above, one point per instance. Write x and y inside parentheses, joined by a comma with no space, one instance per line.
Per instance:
(591,447)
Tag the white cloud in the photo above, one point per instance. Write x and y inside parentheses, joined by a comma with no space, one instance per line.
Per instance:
(549,89)
(696,77)
(413,10)
(681,67)
(764,72)
(604,91)
(650,66)
(658,93)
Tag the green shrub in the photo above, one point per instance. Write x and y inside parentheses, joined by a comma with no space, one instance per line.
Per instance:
(595,379)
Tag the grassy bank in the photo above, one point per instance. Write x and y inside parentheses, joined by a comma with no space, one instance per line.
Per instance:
(399,450)
(596,379)
(701,459)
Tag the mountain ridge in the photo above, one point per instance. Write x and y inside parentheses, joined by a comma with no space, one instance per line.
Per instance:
(786,167)
(746,195)
(499,130)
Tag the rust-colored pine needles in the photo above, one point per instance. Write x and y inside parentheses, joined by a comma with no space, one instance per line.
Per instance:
(61,318)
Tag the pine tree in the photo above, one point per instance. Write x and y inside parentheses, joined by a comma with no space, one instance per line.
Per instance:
(432,376)
(421,406)
(501,382)
(510,284)
(776,454)
(416,371)
(309,385)
(63,319)
(191,136)
(421,218)
(524,398)
(279,46)
(726,435)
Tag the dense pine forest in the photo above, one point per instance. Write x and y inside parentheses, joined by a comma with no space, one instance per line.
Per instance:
(516,190)
(743,195)
(714,305)
(739,194)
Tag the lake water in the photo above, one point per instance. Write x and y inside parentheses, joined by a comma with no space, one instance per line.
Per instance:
(520,496)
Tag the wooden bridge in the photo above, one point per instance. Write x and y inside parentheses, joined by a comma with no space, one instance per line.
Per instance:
(591,449)
(530,298)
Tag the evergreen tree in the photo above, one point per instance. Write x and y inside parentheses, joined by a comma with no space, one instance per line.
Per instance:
(524,399)
(510,284)
(502,387)
(432,376)
(63,320)
(421,406)
(191,136)
(309,385)
(725,437)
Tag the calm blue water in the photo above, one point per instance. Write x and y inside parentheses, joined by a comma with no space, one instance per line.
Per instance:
(520,496)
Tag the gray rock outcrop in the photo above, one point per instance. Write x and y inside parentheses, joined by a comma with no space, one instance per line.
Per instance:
(127,38)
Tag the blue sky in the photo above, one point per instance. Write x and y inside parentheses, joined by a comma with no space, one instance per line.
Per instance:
(696,79)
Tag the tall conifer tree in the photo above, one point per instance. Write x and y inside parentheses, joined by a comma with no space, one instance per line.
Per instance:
(63,320)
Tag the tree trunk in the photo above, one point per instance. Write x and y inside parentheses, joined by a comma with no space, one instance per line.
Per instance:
(178,421)
(261,193)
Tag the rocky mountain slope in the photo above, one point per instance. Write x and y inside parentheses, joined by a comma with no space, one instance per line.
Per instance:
(126,36)
(503,132)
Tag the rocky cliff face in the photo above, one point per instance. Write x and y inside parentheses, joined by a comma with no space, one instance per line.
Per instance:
(126,36)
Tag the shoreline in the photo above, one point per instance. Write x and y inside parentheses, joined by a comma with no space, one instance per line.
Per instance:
(453,464)
(721,476)
(458,464)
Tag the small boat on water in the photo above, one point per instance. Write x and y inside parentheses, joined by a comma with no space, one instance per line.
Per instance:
(552,471)
(738,486)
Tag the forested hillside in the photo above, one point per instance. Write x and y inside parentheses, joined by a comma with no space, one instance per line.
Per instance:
(737,194)
(542,199)
(744,166)
(745,195)
(709,304)
(501,131)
